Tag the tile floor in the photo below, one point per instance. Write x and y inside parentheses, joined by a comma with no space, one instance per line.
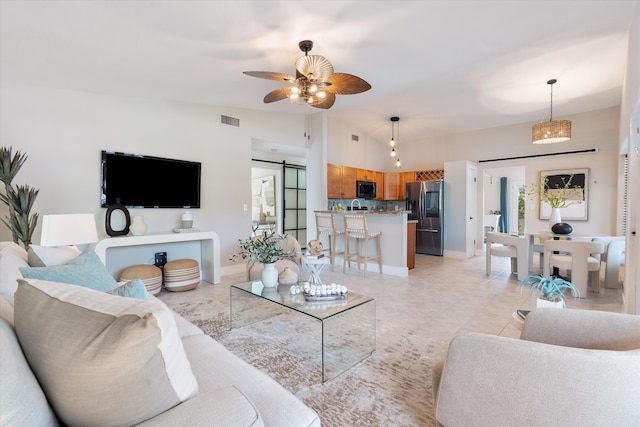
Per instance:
(442,297)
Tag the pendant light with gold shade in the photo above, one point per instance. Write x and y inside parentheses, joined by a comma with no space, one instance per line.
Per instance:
(552,131)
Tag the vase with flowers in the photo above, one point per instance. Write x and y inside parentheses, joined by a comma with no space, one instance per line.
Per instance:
(265,249)
(558,196)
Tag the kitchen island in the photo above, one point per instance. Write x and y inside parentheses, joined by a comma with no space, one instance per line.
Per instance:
(393,241)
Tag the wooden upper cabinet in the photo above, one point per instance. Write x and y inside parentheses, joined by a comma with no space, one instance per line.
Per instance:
(334,181)
(341,182)
(408,177)
(379,186)
(365,175)
(392,182)
(349,177)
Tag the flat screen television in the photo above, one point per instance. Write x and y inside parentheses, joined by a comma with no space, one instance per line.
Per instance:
(149,182)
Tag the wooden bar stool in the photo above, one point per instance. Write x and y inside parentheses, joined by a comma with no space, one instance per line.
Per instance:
(326,225)
(355,226)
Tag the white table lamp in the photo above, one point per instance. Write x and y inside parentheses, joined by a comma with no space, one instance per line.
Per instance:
(68,229)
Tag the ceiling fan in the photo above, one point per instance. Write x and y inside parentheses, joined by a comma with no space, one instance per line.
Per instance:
(315,83)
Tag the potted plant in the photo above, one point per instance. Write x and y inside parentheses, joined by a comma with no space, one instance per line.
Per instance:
(558,197)
(551,290)
(19,199)
(265,249)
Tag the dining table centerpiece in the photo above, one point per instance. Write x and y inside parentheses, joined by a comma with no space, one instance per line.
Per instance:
(557,196)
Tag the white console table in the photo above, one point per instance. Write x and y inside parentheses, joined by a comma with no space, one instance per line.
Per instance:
(209,248)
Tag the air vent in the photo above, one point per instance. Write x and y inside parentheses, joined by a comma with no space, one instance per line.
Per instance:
(230,121)
(355,138)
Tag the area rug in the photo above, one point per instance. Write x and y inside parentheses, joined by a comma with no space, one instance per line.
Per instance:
(392,387)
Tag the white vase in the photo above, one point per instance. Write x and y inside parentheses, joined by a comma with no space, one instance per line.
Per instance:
(554,218)
(546,303)
(138,226)
(269,275)
(187,220)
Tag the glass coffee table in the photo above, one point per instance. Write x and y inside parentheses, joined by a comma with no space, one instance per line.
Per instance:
(348,326)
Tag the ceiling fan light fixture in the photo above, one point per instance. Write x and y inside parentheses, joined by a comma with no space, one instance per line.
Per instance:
(315,82)
(552,131)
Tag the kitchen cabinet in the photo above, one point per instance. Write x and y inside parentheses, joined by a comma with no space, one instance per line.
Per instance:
(373,176)
(411,244)
(392,186)
(395,184)
(379,186)
(341,182)
(365,175)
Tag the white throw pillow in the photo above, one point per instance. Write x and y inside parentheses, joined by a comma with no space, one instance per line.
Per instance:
(45,256)
(101,359)
(12,257)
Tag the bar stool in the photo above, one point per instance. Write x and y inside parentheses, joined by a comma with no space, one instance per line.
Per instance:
(356,226)
(326,225)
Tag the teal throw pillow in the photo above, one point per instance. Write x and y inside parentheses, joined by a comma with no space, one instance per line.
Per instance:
(133,289)
(86,270)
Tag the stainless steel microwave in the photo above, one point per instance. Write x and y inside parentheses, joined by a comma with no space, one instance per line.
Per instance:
(365,190)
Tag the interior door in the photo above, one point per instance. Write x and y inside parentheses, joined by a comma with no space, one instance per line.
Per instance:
(471,209)
(295,203)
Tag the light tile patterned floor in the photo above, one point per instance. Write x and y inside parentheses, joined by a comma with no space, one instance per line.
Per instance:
(442,297)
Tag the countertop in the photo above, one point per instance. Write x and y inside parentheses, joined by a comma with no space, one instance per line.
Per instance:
(368,212)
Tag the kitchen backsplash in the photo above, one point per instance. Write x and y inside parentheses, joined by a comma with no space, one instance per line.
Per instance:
(372,205)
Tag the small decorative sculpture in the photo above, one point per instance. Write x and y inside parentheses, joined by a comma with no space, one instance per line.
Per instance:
(287,277)
(117,206)
(315,247)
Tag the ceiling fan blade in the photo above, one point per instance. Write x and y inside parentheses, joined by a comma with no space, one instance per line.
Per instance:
(270,76)
(276,95)
(346,84)
(327,102)
(314,67)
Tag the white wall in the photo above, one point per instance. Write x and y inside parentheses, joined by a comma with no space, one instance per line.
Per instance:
(596,129)
(366,153)
(63,132)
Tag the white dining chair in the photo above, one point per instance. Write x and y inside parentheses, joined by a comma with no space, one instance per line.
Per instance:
(514,247)
(611,259)
(581,258)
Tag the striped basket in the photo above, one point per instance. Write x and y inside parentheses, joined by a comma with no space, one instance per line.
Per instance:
(150,275)
(181,275)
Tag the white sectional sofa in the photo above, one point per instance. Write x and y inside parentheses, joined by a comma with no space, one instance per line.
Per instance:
(167,373)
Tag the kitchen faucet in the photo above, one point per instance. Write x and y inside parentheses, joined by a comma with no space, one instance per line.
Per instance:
(356,200)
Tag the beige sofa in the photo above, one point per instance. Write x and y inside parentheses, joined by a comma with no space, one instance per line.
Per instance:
(228,392)
(569,368)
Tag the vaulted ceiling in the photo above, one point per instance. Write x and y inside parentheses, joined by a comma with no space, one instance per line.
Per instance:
(442,66)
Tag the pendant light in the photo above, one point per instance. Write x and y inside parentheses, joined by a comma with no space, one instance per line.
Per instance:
(395,139)
(552,131)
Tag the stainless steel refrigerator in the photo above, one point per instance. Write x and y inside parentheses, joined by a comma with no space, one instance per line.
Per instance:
(424,200)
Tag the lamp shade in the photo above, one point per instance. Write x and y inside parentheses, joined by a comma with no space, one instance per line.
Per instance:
(551,132)
(68,229)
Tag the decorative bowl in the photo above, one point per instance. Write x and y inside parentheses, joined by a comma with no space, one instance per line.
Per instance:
(562,228)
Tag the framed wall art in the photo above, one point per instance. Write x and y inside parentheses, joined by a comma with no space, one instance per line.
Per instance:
(570,186)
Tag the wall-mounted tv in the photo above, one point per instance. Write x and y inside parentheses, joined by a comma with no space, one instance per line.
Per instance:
(149,182)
